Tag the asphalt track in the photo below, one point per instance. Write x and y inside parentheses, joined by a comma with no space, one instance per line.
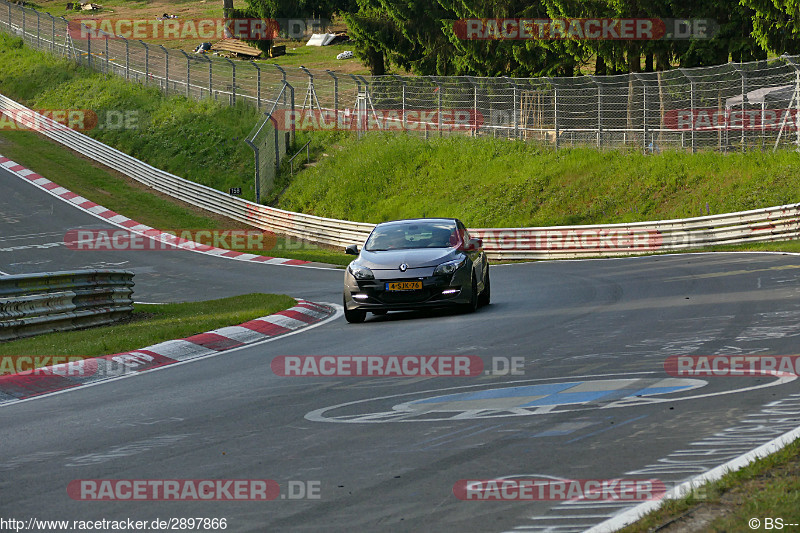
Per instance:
(381,467)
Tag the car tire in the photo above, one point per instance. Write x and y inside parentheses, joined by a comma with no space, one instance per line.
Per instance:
(472,306)
(356,316)
(486,295)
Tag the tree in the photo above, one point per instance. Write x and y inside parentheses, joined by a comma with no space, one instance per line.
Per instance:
(776,24)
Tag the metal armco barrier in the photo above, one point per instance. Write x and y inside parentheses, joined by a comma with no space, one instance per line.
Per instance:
(758,225)
(31,304)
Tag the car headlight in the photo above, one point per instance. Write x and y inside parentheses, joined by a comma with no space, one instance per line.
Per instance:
(360,272)
(449,267)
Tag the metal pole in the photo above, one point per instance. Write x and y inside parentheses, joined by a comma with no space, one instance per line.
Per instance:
(233,86)
(210,79)
(146,62)
(258,85)
(744,97)
(53,33)
(38,35)
(257,173)
(188,71)
(555,115)
(335,96)
(796,98)
(108,63)
(644,109)
(166,69)
(691,106)
(127,59)
(89,50)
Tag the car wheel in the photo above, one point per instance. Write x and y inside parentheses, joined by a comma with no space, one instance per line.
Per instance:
(355,316)
(486,295)
(472,306)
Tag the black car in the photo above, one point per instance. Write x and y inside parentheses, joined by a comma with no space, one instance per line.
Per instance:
(416,264)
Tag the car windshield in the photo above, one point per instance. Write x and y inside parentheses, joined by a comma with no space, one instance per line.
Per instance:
(412,235)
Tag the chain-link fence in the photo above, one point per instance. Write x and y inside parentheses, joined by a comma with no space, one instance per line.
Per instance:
(270,143)
(728,107)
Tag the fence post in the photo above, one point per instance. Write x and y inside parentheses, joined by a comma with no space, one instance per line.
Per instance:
(691,104)
(146,62)
(166,69)
(233,82)
(359,100)
(89,51)
(38,35)
(188,72)
(728,122)
(599,111)
(335,96)
(438,106)
(796,98)
(258,170)
(291,95)
(53,33)
(471,81)
(644,109)
(258,84)
(108,59)
(555,112)
(210,78)
(23,22)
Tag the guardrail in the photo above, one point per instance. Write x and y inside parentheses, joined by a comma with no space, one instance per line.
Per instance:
(31,304)
(758,225)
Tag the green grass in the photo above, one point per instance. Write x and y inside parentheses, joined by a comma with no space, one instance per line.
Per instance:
(768,487)
(200,141)
(151,324)
(500,183)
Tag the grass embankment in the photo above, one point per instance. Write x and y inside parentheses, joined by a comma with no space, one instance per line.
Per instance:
(767,488)
(187,138)
(150,325)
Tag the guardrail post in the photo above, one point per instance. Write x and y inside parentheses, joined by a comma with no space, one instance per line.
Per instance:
(166,69)
(188,72)
(258,84)
(233,81)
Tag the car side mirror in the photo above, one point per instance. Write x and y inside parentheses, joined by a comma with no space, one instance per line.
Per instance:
(351,250)
(474,244)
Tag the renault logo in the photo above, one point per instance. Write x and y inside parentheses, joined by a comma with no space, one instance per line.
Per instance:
(403,267)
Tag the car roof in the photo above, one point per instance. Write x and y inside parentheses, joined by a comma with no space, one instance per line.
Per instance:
(416,220)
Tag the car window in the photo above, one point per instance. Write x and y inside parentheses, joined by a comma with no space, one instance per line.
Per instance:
(416,235)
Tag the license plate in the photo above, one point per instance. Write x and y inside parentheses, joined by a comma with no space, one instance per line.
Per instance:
(404,286)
